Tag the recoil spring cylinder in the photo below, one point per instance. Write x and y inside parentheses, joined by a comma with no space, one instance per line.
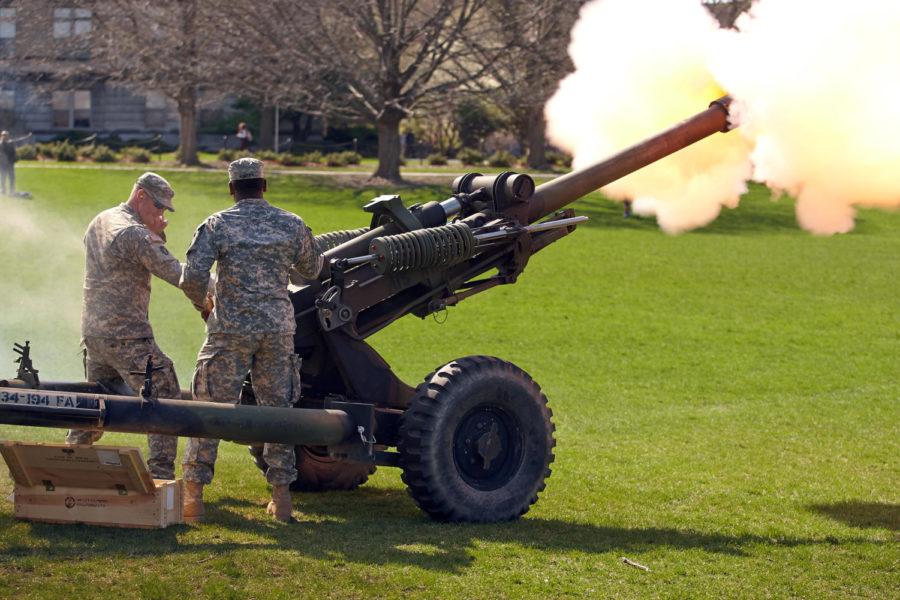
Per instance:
(423,248)
(333,239)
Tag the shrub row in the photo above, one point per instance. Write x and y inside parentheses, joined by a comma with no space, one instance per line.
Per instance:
(28,152)
(62,151)
(334,159)
(67,152)
(501,158)
(471,157)
(558,159)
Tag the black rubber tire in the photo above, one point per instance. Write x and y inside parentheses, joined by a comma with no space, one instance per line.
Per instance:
(454,474)
(318,472)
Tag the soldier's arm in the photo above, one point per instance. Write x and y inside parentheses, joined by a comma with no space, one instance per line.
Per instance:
(149,250)
(201,255)
(308,261)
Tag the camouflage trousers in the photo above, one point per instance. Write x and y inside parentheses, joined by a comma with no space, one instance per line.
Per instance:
(112,362)
(222,366)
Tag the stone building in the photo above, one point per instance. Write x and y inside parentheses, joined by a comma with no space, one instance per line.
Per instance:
(40,40)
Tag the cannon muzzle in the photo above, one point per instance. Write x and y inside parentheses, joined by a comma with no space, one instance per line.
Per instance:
(553,195)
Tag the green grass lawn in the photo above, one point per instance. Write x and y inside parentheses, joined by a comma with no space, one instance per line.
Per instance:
(726,401)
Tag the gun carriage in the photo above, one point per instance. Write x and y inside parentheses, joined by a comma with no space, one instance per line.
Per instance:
(475,439)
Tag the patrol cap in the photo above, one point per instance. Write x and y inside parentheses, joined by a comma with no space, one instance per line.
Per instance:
(245,168)
(159,189)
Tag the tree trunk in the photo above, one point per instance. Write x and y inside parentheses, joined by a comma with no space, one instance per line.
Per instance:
(187,94)
(295,118)
(301,125)
(388,125)
(187,138)
(266,139)
(537,158)
(307,127)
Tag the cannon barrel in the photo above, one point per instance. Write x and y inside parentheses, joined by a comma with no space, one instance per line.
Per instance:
(80,410)
(553,195)
(556,193)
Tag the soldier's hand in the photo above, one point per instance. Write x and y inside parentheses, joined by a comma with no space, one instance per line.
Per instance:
(208,306)
(158,225)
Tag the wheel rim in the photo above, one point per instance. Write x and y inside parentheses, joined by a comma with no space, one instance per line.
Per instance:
(487,447)
(319,453)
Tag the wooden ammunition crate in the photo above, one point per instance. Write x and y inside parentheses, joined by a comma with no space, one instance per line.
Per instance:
(97,485)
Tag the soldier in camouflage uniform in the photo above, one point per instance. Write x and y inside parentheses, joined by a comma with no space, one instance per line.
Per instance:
(124,246)
(251,327)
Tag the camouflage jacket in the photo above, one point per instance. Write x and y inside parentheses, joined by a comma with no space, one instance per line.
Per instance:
(256,245)
(121,254)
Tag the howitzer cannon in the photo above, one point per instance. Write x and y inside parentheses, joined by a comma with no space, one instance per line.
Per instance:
(475,439)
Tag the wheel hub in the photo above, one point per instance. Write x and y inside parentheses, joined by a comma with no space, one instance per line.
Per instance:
(487,448)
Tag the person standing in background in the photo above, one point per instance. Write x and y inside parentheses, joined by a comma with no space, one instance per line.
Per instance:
(8,161)
(244,136)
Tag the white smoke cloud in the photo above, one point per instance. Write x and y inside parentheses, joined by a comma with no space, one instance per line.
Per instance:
(817,97)
(641,67)
(818,90)
(41,289)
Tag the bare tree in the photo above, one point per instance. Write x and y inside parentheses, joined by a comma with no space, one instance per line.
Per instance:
(437,128)
(375,61)
(535,36)
(727,11)
(168,46)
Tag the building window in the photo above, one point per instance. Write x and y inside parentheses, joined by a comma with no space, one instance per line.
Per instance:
(7,100)
(155,110)
(7,32)
(7,23)
(69,22)
(72,110)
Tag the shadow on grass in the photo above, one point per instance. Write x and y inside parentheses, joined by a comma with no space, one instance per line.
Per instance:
(855,513)
(370,526)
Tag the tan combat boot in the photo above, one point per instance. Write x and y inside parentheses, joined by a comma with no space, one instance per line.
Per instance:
(193,502)
(280,506)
